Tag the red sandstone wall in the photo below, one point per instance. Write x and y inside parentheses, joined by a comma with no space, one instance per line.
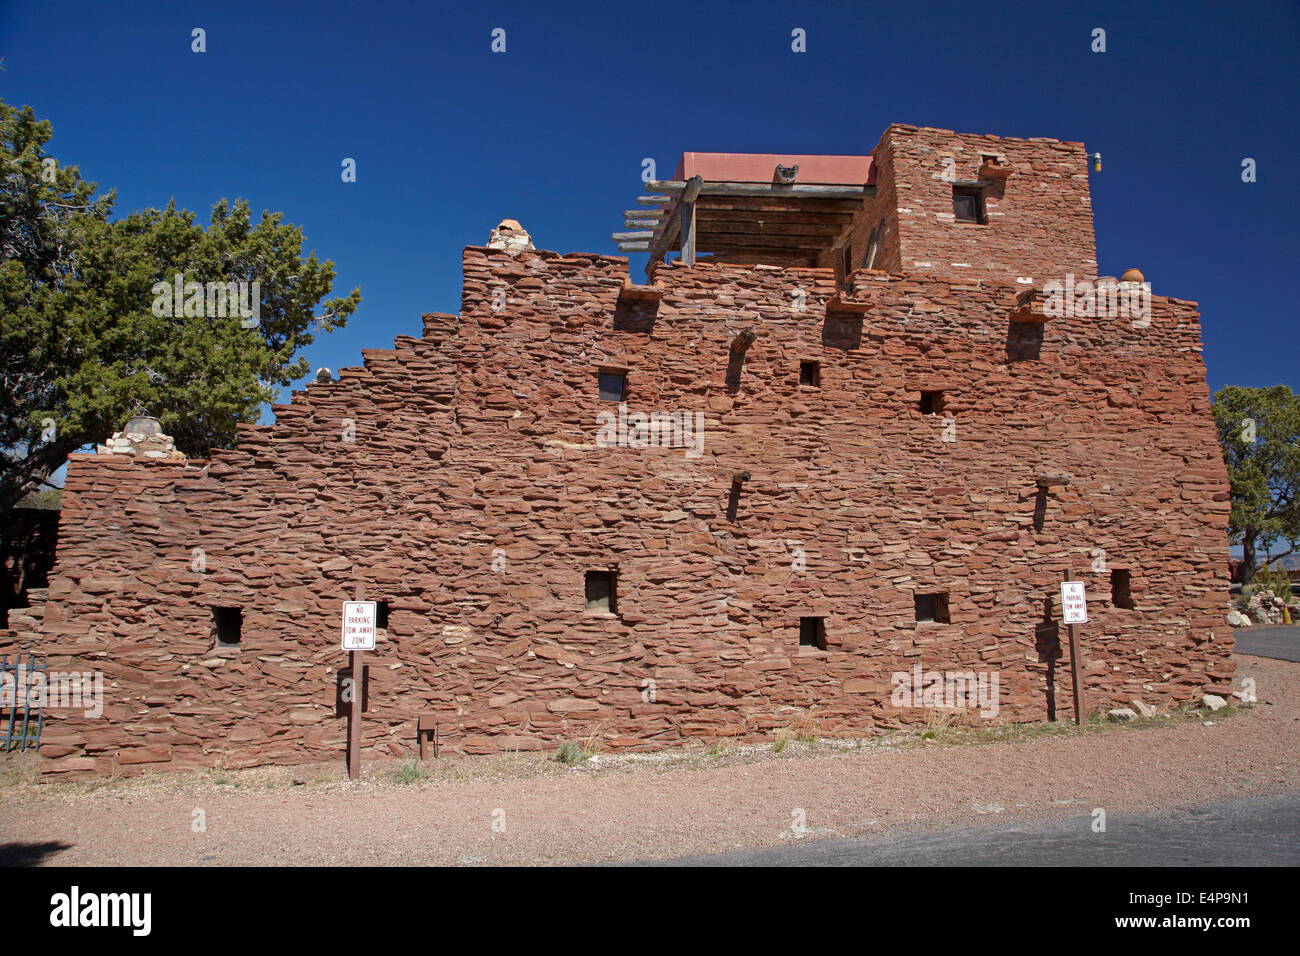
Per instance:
(1039,220)
(483,439)
(879,213)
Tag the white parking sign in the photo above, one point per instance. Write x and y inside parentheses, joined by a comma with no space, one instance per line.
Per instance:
(1074,605)
(359,625)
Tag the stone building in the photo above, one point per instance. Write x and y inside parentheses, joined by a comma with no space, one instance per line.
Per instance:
(852,430)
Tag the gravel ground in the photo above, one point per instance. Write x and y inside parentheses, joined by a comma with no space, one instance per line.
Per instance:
(526,809)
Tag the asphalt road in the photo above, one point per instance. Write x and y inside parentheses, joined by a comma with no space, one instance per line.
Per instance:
(1248,831)
(1281,643)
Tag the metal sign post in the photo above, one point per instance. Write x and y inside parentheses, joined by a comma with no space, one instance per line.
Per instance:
(1074,611)
(358,637)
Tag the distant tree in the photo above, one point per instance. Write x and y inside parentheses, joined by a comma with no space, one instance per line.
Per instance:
(47,499)
(81,340)
(1259,429)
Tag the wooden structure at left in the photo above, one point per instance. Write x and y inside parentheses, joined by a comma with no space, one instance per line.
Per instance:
(770,208)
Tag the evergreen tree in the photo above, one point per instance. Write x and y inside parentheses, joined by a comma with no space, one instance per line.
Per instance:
(86,333)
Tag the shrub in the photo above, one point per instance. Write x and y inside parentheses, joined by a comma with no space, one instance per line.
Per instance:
(1275,580)
(409,772)
(571,753)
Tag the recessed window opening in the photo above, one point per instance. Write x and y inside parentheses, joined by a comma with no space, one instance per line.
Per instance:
(601,587)
(227,626)
(812,632)
(968,204)
(612,386)
(1121,588)
(381,615)
(810,373)
(932,608)
(932,403)
(846,260)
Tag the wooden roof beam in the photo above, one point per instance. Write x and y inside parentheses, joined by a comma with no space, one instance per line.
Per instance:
(744,254)
(763,189)
(774,225)
(716,241)
(679,226)
(785,205)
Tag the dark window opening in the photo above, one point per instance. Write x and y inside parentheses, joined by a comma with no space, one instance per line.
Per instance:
(968,204)
(840,331)
(1121,588)
(381,615)
(932,608)
(812,632)
(846,261)
(601,591)
(1024,341)
(932,403)
(612,385)
(227,625)
(810,373)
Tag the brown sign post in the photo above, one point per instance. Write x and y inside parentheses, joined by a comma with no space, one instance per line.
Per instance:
(1074,611)
(354,720)
(358,637)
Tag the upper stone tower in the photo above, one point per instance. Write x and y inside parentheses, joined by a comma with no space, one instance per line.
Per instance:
(992,206)
(925,200)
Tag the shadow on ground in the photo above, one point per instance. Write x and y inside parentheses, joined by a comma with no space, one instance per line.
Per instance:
(29,854)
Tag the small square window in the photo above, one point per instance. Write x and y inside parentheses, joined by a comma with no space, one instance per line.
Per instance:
(968,204)
(227,626)
(812,632)
(810,373)
(931,608)
(381,615)
(932,403)
(612,385)
(1121,588)
(601,591)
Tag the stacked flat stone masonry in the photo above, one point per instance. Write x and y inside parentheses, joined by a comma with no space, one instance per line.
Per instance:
(466,479)
(1039,217)
(484,438)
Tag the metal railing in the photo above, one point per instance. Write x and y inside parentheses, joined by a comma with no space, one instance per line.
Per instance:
(16,682)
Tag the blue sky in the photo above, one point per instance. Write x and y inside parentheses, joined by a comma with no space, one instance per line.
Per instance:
(449,138)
